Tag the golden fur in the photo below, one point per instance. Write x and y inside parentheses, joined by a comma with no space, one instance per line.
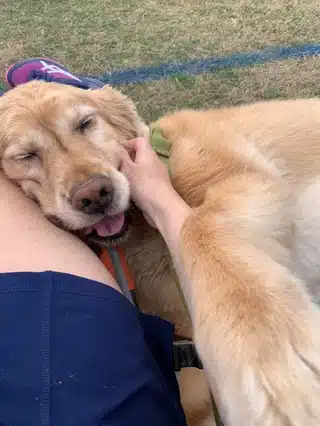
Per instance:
(44,150)
(251,248)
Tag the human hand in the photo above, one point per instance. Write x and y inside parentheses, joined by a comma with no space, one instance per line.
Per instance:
(149,180)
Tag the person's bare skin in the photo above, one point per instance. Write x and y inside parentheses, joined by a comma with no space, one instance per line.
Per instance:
(31,243)
(163,208)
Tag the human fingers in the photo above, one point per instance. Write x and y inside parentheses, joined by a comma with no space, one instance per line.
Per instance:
(143,150)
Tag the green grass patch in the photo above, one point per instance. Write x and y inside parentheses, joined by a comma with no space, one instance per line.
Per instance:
(95,36)
(98,35)
(288,79)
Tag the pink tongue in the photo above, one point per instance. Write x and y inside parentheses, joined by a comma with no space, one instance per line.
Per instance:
(110,225)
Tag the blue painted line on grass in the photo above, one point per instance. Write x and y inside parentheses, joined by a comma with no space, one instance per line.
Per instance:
(209,65)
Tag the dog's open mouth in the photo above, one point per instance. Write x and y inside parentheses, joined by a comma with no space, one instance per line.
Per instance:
(110,228)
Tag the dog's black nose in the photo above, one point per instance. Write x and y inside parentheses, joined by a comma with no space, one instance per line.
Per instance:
(93,196)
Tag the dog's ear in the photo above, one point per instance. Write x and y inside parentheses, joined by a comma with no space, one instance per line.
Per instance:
(5,124)
(120,112)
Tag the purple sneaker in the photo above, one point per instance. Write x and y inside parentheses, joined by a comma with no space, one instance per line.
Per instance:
(47,70)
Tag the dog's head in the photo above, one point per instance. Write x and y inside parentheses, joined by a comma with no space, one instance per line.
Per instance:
(63,145)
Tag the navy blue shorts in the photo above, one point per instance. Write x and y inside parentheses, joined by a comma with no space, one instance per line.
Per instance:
(74,352)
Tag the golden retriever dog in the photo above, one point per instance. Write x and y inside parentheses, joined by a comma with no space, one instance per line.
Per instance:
(251,247)
(62,145)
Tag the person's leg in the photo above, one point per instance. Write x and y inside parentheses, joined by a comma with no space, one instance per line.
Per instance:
(73,350)
(31,243)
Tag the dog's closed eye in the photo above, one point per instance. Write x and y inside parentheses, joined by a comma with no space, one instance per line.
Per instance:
(22,152)
(25,156)
(84,124)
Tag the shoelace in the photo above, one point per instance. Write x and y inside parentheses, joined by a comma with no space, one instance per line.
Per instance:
(44,76)
(40,75)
